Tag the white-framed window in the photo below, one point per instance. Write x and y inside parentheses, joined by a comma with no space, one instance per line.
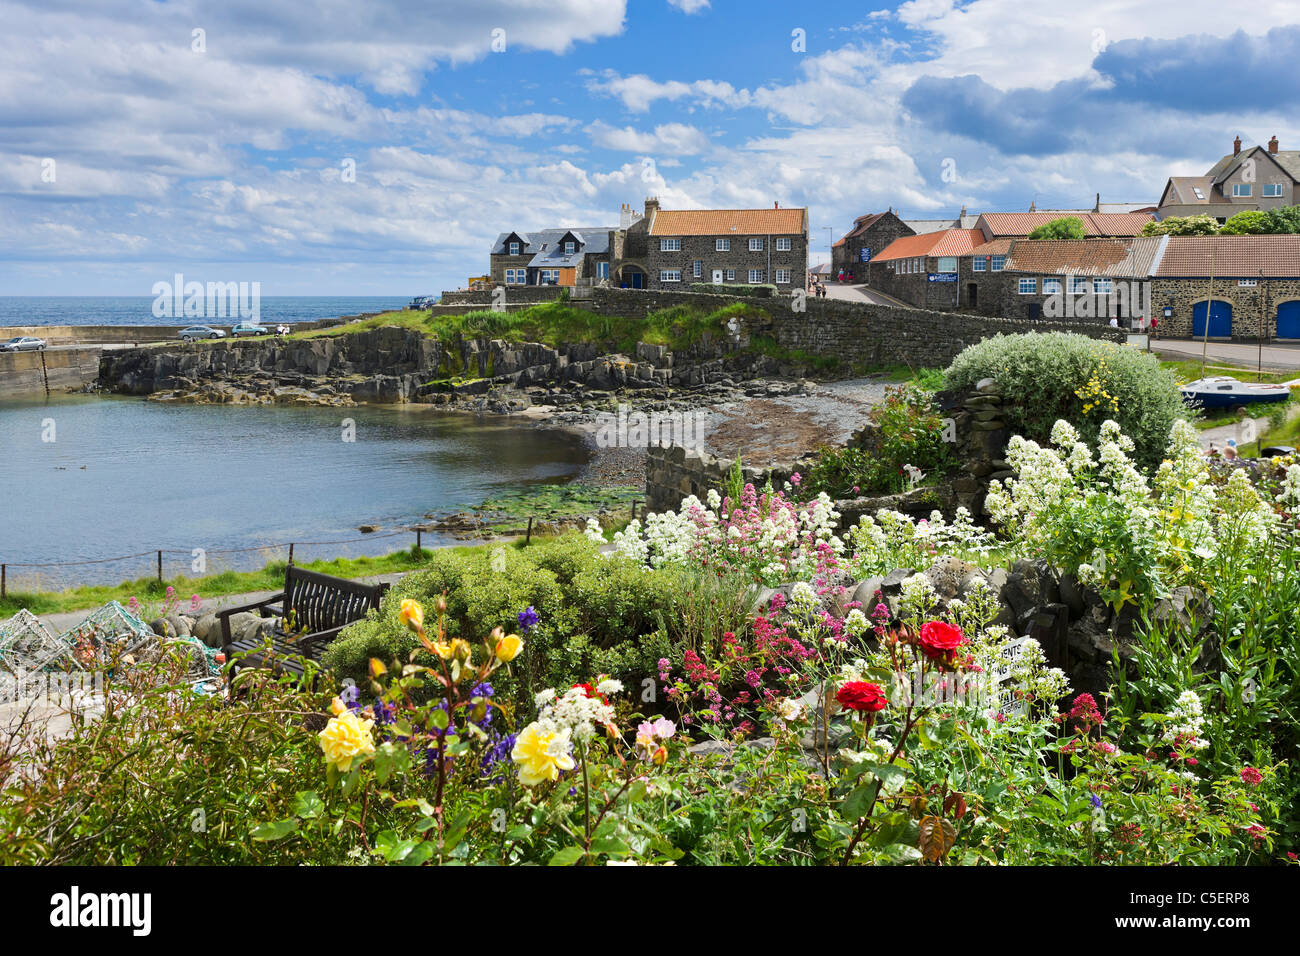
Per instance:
(670,245)
(756,245)
(722,245)
(947,264)
(755,275)
(516,276)
(731,275)
(1103,286)
(979,264)
(549,275)
(602,270)
(1248,283)
(782,276)
(1051,287)
(783,244)
(514,248)
(569,248)
(1078,285)
(1028,286)
(1240,189)
(1272,189)
(697,268)
(998,263)
(670,275)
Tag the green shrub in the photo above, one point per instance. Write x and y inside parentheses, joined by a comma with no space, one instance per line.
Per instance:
(598,613)
(1056,375)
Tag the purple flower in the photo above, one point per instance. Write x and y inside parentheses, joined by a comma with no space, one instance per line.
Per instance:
(528,618)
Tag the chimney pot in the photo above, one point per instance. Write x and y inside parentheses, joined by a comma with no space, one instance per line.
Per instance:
(1236,146)
(1272,145)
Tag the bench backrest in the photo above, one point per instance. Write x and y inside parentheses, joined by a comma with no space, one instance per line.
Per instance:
(321,602)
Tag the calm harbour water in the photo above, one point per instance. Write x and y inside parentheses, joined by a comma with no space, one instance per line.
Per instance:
(124,475)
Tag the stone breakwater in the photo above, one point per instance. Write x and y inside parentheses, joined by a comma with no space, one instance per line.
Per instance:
(393,365)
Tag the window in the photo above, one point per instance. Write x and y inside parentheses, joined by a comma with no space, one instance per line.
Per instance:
(783,245)
(782,276)
(1078,285)
(514,248)
(1240,189)
(1028,286)
(670,275)
(697,268)
(569,248)
(755,275)
(998,262)
(1103,286)
(756,245)
(1273,189)
(979,264)
(670,245)
(549,276)
(1199,195)
(722,245)
(1051,287)
(516,276)
(602,270)
(947,264)
(731,275)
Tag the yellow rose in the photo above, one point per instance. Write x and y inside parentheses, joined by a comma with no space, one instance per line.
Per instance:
(412,615)
(337,707)
(344,738)
(508,648)
(541,754)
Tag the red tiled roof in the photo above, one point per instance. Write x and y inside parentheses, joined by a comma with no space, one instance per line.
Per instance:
(994,247)
(950,242)
(1242,257)
(723,222)
(1094,223)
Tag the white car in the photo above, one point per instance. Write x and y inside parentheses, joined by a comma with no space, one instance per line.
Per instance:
(196,332)
(23,343)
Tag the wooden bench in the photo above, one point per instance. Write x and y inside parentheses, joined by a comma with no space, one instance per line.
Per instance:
(321,606)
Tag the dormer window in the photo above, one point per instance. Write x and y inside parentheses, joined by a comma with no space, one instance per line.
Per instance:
(1199,195)
(514,248)
(570,248)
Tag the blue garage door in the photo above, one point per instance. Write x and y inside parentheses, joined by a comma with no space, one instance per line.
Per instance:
(1288,320)
(1220,319)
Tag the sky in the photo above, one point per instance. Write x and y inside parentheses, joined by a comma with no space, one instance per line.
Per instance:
(376,147)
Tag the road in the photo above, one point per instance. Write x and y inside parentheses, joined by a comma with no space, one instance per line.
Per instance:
(1276,356)
(861,293)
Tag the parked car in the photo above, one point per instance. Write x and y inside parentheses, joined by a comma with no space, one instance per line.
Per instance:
(196,332)
(23,343)
(249,328)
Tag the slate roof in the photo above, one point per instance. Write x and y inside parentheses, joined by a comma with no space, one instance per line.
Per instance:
(592,239)
(729,222)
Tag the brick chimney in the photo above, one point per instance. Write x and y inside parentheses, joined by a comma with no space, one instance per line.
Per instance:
(1272,145)
(651,206)
(1236,146)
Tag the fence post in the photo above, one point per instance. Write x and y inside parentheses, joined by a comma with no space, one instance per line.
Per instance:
(290,552)
(4,584)
(418,545)
(160,567)
(528,537)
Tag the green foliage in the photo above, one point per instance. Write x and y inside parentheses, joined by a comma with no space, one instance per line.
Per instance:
(599,614)
(735,288)
(1182,226)
(1058,375)
(908,430)
(1248,222)
(1067,227)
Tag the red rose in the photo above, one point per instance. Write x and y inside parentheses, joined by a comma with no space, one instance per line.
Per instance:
(861,696)
(938,639)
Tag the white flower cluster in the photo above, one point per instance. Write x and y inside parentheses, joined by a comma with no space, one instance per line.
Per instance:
(894,540)
(1186,722)
(573,712)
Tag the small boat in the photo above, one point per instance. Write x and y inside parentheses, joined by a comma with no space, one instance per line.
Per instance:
(1220,391)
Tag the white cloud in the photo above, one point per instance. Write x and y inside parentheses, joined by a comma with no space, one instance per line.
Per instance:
(677,139)
(689,6)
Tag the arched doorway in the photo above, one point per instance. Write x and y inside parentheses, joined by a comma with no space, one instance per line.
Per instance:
(1220,314)
(1288,319)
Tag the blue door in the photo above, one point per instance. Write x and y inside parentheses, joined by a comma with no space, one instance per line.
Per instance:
(1288,320)
(1220,319)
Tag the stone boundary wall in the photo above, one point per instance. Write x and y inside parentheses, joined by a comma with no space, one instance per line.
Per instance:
(28,373)
(140,334)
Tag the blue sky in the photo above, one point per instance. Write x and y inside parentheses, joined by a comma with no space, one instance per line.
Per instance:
(130,150)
